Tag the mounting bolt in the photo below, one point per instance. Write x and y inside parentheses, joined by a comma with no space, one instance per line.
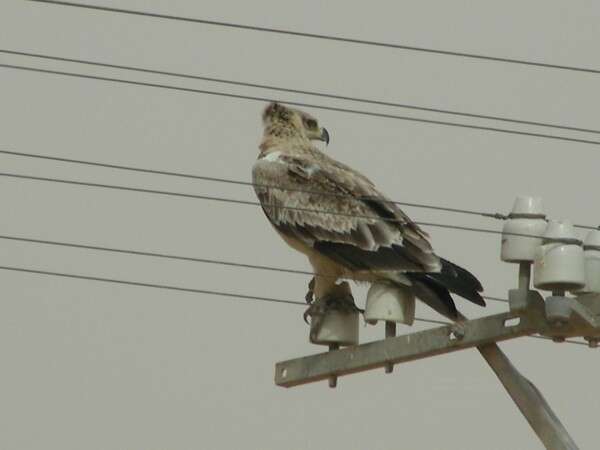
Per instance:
(333,378)
(390,331)
(457,332)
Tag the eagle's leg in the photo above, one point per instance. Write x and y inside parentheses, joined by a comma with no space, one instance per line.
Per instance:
(338,298)
(310,295)
(323,288)
(320,289)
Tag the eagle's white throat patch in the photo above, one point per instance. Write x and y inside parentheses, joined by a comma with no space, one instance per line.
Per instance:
(272,157)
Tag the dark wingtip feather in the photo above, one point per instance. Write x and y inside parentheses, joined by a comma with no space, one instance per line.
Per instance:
(459,281)
(476,298)
(463,274)
(434,295)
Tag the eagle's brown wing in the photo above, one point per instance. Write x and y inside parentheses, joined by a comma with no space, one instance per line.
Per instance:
(340,213)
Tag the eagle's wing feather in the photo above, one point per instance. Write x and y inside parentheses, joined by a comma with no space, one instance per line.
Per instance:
(339,212)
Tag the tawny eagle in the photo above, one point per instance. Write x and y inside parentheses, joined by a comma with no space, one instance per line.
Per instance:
(342,223)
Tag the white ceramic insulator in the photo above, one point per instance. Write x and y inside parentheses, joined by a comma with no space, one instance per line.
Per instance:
(521,248)
(336,327)
(559,262)
(527,218)
(591,254)
(391,303)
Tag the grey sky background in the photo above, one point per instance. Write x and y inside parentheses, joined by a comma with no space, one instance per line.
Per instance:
(98,366)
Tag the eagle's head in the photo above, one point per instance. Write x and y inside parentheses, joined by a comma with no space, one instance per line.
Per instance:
(282,121)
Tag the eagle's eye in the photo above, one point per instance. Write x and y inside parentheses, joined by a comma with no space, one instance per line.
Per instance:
(311,124)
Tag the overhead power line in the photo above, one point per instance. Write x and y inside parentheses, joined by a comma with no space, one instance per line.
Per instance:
(152,285)
(493,215)
(177,288)
(254,203)
(155,255)
(299,91)
(347,40)
(301,104)
(246,183)
(196,291)
(177,257)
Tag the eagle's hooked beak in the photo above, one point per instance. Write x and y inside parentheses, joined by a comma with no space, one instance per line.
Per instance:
(324,136)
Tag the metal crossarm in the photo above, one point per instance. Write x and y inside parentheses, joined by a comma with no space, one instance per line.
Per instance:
(408,347)
(529,320)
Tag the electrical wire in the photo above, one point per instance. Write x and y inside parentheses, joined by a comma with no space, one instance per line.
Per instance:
(320,36)
(151,285)
(493,215)
(199,291)
(155,255)
(174,288)
(212,261)
(249,183)
(178,258)
(254,203)
(302,104)
(297,91)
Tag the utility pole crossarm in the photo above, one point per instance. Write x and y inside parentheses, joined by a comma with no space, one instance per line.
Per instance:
(418,345)
(584,321)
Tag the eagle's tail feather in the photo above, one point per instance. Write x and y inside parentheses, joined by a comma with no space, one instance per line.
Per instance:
(459,281)
(434,295)
(434,288)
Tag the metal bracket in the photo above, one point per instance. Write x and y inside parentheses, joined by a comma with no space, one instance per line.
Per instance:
(584,321)
(408,347)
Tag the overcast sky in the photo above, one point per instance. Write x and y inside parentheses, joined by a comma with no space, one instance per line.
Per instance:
(100,366)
